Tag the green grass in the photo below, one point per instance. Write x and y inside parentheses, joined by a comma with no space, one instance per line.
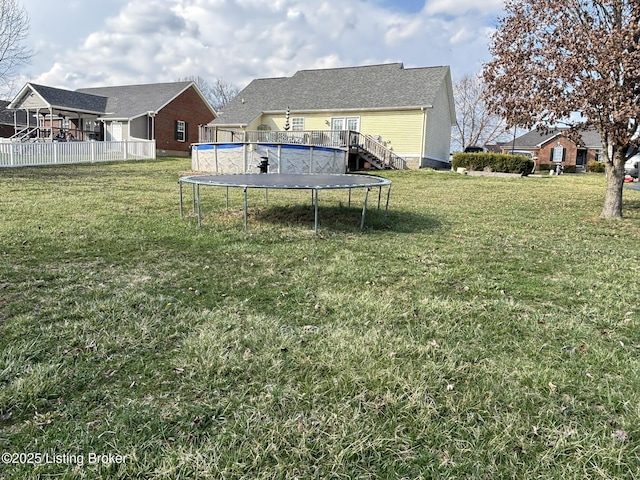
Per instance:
(486,328)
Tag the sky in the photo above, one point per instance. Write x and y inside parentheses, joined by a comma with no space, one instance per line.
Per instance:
(122,42)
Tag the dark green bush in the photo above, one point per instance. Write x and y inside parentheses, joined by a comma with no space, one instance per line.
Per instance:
(595,167)
(493,162)
(545,167)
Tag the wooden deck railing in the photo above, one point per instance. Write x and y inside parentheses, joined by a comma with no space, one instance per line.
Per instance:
(49,134)
(316,138)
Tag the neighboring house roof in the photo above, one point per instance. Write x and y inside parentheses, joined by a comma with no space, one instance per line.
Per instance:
(7,118)
(131,101)
(122,102)
(389,86)
(60,99)
(591,139)
(535,139)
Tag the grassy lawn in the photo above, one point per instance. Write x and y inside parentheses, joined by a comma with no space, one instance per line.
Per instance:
(486,328)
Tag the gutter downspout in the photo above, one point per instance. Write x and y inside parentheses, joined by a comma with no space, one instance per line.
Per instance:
(152,116)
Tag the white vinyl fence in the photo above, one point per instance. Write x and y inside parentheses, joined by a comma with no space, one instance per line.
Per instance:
(54,153)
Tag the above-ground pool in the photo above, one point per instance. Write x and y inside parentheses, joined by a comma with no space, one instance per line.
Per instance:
(223,158)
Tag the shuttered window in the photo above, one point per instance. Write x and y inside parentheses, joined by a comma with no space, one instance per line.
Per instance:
(557,154)
(182,132)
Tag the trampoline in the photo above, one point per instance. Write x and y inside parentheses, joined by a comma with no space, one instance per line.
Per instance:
(290,181)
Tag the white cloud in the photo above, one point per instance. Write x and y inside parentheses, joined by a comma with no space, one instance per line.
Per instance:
(460,7)
(238,40)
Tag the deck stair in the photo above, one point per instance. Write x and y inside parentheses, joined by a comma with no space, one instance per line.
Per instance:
(24,135)
(375,152)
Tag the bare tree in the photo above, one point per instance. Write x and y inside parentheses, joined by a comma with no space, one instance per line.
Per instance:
(14,28)
(552,59)
(223,92)
(218,93)
(476,125)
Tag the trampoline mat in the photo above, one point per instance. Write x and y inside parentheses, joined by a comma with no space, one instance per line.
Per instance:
(315,181)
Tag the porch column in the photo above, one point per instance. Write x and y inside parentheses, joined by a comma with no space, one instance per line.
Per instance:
(153,125)
(38,123)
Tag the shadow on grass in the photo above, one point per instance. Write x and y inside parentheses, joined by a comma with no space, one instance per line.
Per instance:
(347,219)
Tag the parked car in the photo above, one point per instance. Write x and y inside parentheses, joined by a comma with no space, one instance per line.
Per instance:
(631,166)
(474,149)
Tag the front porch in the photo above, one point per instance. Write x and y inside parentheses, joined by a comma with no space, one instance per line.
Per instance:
(55,115)
(55,131)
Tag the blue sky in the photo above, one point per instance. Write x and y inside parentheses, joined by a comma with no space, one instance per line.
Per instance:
(409,6)
(84,44)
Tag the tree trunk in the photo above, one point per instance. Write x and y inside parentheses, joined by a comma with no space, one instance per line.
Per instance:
(614,169)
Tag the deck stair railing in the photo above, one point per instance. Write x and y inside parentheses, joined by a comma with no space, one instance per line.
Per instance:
(24,135)
(376,153)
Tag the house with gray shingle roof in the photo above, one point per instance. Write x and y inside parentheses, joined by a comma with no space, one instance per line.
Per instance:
(410,111)
(168,113)
(558,145)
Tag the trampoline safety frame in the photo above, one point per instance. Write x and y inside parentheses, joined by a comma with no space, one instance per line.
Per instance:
(305,181)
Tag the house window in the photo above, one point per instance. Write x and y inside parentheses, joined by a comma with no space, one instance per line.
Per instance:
(345,123)
(557,154)
(297,124)
(181,131)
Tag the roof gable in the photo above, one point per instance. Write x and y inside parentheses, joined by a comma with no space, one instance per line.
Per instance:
(388,86)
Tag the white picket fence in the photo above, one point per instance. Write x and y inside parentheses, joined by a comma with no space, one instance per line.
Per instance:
(56,153)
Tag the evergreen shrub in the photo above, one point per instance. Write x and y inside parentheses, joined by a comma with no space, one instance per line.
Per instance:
(595,167)
(493,162)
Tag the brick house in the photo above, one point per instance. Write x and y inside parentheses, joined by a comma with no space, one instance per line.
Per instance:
(168,113)
(556,146)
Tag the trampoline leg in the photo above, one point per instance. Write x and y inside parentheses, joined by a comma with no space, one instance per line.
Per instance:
(386,208)
(246,210)
(379,195)
(314,193)
(364,208)
(198,202)
(349,204)
(193,197)
(180,187)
